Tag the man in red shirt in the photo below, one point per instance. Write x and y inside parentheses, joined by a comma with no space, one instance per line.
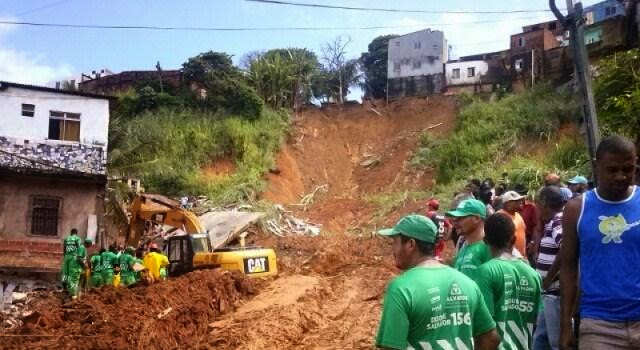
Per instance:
(442,223)
(531,216)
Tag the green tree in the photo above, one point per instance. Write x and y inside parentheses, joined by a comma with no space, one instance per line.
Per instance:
(339,73)
(374,67)
(617,94)
(201,67)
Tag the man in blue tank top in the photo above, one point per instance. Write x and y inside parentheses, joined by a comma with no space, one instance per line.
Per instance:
(601,238)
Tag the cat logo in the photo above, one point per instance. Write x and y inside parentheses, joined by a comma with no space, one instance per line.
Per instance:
(256,265)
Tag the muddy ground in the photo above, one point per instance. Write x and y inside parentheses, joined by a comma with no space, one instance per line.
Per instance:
(327,296)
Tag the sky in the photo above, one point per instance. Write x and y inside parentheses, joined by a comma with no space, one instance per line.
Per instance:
(40,55)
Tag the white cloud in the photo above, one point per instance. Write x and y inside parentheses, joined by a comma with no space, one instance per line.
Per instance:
(22,67)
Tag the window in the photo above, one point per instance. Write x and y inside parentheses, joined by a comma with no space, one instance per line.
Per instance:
(28,110)
(607,11)
(417,64)
(417,45)
(613,10)
(64,126)
(455,74)
(396,66)
(397,43)
(471,72)
(552,26)
(45,212)
(521,42)
(518,64)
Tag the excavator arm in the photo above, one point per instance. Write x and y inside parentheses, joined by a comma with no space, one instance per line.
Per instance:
(160,210)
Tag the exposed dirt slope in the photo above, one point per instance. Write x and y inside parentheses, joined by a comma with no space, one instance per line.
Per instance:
(329,146)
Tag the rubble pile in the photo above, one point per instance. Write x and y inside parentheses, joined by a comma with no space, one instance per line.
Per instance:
(168,315)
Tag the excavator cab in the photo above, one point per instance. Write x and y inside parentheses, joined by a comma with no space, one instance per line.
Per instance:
(181,250)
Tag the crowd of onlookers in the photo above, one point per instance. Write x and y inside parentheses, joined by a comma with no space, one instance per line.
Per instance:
(555,269)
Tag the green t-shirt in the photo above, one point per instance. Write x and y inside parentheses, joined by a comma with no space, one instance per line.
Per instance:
(512,290)
(126,262)
(109,260)
(79,256)
(432,308)
(71,244)
(470,257)
(96,263)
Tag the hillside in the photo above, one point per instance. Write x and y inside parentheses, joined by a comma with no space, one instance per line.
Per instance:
(357,153)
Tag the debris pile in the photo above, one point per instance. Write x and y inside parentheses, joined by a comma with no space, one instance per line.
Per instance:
(168,315)
(15,296)
(285,224)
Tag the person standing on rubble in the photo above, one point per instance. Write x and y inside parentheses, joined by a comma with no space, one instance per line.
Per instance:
(126,262)
(468,219)
(109,263)
(600,252)
(75,268)
(96,269)
(511,288)
(70,245)
(430,305)
(155,262)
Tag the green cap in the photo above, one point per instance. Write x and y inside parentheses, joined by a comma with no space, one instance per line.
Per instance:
(415,226)
(469,207)
(88,240)
(129,250)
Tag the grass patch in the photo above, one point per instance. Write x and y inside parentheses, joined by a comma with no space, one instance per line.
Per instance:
(488,132)
(168,148)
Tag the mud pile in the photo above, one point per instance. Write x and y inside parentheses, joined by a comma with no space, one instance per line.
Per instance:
(328,296)
(168,315)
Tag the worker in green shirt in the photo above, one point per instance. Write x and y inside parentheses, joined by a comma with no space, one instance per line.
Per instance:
(75,268)
(70,244)
(109,263)
(511,288)
(126,262)
(430,305)
(96,269)
(468,219)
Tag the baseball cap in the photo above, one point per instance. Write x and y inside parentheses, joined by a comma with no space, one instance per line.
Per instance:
(578,180)
(510,196)
(469,207)
(88,240)
(415,226)
(566,193)
(434,203)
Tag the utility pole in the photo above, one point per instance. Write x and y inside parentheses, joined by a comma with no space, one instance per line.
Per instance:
(574,21)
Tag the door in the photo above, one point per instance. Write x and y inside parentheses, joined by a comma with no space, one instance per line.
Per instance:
(180,255)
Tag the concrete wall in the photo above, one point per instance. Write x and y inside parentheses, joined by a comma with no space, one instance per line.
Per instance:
(416,54)
(94,115)
(481,69)
(78,201)
(416,86)
(537,40)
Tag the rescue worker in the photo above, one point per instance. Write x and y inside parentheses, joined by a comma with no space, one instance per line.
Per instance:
(70,245)
(86,271)
(126,262)
(155,262)
(96,269)
(75,267)
(140,275)
(109,261)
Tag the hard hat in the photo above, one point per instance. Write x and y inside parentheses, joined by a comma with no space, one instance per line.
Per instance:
(153,246)
(433,203)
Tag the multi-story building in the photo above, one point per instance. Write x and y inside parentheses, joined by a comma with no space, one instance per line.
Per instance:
(477,73)
(53,151)
(415,65)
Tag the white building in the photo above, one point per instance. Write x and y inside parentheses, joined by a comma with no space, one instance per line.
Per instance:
(466,72)
(43,114)
(416,54)
(53,151)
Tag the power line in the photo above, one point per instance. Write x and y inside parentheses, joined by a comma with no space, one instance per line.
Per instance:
(373,9)
(53,4)
(236,29)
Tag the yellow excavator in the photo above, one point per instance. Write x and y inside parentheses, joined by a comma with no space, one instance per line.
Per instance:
(193,250)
